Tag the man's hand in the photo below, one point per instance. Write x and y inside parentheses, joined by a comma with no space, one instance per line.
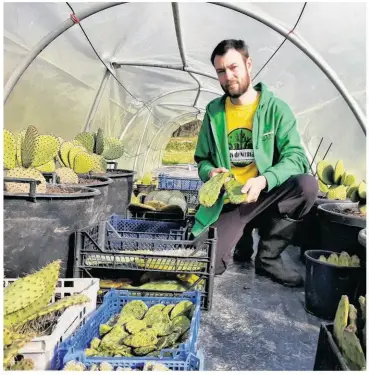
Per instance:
(215,171)
(253,188)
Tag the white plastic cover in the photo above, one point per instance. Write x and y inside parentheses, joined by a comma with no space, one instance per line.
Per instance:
(60,90)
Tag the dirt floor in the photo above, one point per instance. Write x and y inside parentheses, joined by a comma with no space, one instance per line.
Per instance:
(255,323)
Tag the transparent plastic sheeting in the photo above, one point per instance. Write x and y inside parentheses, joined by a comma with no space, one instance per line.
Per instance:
(58,90)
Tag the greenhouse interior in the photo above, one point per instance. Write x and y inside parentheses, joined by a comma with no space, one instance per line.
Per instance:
(147,227)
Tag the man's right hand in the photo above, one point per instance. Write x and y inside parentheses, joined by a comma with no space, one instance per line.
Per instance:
(215,171)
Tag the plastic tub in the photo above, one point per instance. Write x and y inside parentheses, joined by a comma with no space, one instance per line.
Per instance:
(326,283)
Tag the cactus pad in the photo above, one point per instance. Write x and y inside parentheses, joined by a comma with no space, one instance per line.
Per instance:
(352,350)
(46,148)
(344,259)
(341,319)
(322,186)
(99,142)
(99,164)
(337,192)
(355,261)
(29,146)
(209,192)
(64,152)
(19,142)
(66,176)
(362,208)
(146,337)
(147,178)
(72,154)
(333,259)
(233,188)
(338,172)
(9,150)
(325,172)
(83,162)
(87,140)
(354,195)
(177,201)
(348,179)
(48,167)
(322,258)
(24,188)
(113,148)
(362,190)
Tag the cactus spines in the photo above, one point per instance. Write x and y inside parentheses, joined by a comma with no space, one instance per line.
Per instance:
(66,175)
(362,190)
(65,147)
(233,188)
(29,146)
(87,140)
(113,148)
(325,172)
(9,150)
(352,350)
(99,164)
(83,163)
(337,192)
(338,172)
(48,167)
(340,319)
(46,148)
(209,192)
(24,188)
(322,186)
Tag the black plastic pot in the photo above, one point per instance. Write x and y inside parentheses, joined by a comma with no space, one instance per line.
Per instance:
(101,201)
(325,284)
(38,228)
(309,236)
(328,356)
(120,191)
(339,232)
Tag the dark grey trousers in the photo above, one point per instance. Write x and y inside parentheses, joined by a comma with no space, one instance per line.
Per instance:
(294,198)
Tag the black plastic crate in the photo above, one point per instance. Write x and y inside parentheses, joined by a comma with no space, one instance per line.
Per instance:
(328,356)
(95,248)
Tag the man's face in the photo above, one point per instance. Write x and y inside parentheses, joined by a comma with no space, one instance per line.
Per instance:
(233,73)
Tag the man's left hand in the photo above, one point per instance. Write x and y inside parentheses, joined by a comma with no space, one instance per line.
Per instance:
(253,188)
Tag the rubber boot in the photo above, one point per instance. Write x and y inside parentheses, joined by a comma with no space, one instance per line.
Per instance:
(274,238)
(244,248)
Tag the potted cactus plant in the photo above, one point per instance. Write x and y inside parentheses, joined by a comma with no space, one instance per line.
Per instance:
(39,218)
(337,203)
(104,151)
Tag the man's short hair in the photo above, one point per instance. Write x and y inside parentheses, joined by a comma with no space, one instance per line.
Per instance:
(222,48)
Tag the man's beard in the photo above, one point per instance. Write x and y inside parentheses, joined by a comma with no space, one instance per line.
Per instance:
(239,90)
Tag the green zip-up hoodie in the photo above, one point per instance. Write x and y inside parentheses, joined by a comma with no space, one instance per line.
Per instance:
(276,142)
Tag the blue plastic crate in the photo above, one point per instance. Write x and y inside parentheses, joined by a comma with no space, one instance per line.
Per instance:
(167,182)
(191,363)
(113,302)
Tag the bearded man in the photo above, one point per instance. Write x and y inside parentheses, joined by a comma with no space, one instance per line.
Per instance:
(252,134)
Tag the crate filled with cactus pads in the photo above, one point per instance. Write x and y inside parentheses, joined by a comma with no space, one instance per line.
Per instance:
(139,333)
(342,344)
(40,311)
(188,262)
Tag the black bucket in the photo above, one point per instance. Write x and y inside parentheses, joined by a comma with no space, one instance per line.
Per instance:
(309,236)
(101,201)
(120,191)
(38,228)
(339,232)
(325,284)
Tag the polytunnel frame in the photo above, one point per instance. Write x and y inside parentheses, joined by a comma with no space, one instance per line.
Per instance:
(290,35)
